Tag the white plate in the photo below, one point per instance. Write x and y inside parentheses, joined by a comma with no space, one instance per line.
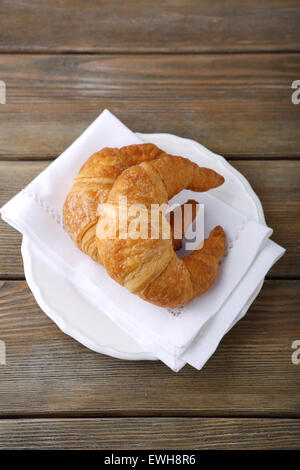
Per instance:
(74,315)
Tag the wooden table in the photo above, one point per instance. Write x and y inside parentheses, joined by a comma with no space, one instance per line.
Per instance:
(219,73)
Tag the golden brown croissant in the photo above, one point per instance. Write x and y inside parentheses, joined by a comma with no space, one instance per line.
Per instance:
(149,266)
(91,187)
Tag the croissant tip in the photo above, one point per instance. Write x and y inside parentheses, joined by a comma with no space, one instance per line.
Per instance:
(218,237)
(217,231)
(219,180)
(214,179)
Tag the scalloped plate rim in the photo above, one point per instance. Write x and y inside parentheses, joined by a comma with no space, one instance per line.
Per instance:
(108,349)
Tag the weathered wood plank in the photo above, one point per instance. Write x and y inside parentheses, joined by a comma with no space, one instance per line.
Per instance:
(147,26)
(150,433)
(277,185)
(50,374)
(236,105)
(276,182)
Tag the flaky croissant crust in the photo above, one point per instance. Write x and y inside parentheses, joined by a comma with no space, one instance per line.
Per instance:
(91,187)
(150,268)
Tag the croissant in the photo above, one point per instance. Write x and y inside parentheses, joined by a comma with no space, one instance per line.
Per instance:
(149,267)
(91,187)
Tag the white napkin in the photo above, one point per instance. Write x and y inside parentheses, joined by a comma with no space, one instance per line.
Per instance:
(37,213)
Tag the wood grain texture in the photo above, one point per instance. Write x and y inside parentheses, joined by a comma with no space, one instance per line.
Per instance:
(140,60)
(150,433)
(236,105)
(276,183)
(147,26)
(251,374)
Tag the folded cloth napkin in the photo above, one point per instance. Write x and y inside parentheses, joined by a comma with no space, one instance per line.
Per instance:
(190,336)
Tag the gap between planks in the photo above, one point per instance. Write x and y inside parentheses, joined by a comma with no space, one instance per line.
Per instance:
(190,52)
(120,414)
